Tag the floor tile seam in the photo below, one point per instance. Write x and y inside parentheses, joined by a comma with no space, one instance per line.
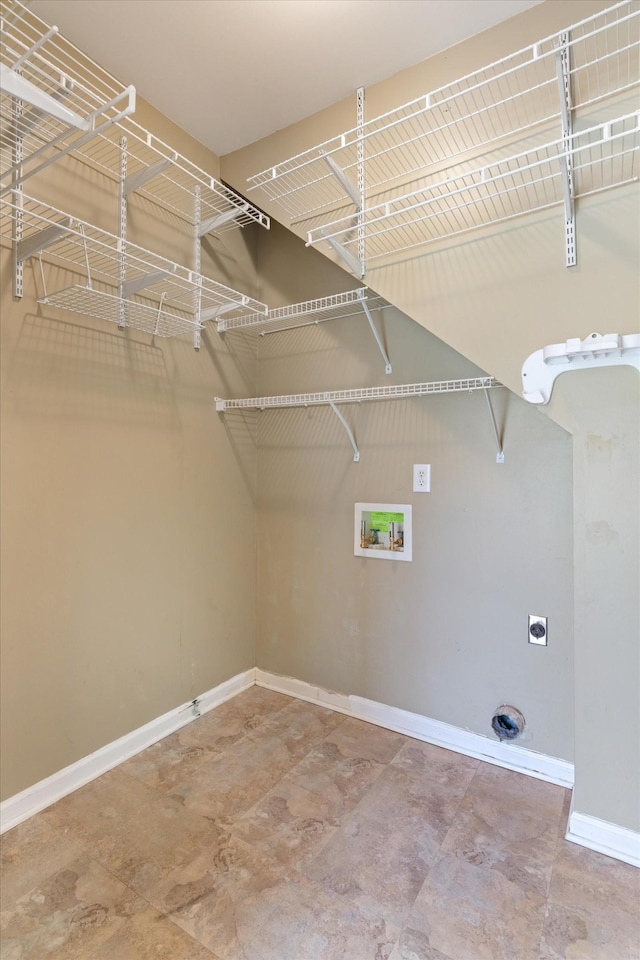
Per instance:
(252,810)
(60,865)
(543,899)
(96,954)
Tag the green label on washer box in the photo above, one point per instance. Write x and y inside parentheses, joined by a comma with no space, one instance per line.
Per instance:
(381,521)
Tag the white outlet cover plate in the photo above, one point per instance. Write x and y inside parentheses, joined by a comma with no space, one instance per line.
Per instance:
(422,478)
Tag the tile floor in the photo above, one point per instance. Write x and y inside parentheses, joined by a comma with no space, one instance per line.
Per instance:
(272,829)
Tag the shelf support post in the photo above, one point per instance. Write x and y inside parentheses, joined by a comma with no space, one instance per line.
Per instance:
(122,232)
(356,452)
(360,173)
(197,263)
(17,227)
(563,69)
(500,453)
(376,334)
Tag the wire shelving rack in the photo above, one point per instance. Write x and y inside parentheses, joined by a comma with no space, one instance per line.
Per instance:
(403,391)
(53,98)
(158,172)
(360,394)
(118,281)
(337,306)
(602,156)
(56,100)
(513,106)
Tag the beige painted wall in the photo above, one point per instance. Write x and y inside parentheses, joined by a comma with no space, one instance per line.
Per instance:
(128,508)
(495,297)
(446,635)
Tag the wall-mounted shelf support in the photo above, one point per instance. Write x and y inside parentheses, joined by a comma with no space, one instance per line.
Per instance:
(137,180)
(563,68)
(220,219)
(129,287)
(41,240)
(354,265)
(376,334)
(352,439)
(349,188)
(500,453)
(541,368)
(13,83)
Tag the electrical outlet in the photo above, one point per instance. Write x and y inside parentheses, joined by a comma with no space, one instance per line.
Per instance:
(538,633)
(422,478)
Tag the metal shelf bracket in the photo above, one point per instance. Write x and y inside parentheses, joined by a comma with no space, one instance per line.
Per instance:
(356,267)
(500,453)
(541,368)
(376,334)
(356,452)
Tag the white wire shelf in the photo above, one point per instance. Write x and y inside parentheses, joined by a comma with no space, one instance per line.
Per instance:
(358,395)
(53,99)
(43,72)
(602,156)
(338,306)
(158,172)
(123,283)
(504,100)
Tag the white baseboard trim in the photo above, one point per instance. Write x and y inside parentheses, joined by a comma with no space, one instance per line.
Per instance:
(41,795)
(604,837)
(510,756)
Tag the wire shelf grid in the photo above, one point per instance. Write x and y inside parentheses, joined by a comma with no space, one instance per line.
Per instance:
(53,99)
(155,295)
(602,156)
(506,99)
(338,306)
(360,394)
(173,179)
(93,116)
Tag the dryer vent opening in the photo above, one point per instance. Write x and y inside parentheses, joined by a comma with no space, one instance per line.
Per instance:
(507,722)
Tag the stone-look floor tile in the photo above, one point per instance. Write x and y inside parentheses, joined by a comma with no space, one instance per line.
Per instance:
(68,916)
(514,843)
(222,901)
(418,806)
(594,904)
(517,791)
(150,936)
(132,830)
(414,945)
(310,924)
(468,912)
(29,854)
(341,781)
(167,762)
(253,706)
(435,763)
(360,740)
(289,824)
(222,788)
(587,935)
(300,726)
(373,865)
